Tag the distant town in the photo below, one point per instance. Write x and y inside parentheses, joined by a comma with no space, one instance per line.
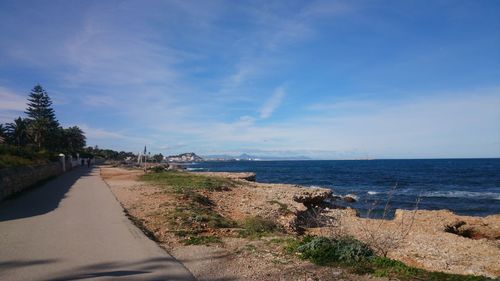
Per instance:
(190,157)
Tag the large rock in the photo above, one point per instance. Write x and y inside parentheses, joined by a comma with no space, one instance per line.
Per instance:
(311,196)
(350,198)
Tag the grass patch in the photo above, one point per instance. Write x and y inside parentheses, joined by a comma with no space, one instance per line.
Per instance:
(180,182)
(194,216)
(385,267)
(257,227)
(283,208)
(358,258)
(193,211)
(201,240)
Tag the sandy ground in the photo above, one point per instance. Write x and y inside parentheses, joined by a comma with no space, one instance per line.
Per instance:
(426,245)
(236,258)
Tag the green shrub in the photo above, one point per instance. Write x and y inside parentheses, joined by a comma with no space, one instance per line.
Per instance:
(157,169)
(385,267)
(193,216)
(257,227)
(360,259)
(322,250)
(14,161)
(14,156)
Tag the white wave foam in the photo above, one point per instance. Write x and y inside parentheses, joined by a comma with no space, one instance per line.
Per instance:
(195,169)
(353,196)
(463,194)
(315,186)
(372,192)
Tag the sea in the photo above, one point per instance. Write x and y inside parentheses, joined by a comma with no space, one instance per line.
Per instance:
(464,186)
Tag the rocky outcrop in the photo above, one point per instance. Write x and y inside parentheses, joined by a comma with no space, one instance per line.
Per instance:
(350,198)
(235,176)
(312,196)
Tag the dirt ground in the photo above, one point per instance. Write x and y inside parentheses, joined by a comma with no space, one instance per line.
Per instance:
(426,245)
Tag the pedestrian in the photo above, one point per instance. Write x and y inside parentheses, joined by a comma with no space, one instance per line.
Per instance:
(83,161)
(88,162)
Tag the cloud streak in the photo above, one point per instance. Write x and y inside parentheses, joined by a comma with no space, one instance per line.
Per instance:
(272,103)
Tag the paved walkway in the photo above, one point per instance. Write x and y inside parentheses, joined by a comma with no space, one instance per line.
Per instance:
(72,228)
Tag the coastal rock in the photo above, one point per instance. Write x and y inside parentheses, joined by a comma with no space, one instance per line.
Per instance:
(312,196)
(350,198)
(235,176)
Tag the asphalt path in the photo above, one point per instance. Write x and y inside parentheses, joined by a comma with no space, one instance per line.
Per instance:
(73,228)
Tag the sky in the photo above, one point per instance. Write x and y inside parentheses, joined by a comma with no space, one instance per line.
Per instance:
(323,79)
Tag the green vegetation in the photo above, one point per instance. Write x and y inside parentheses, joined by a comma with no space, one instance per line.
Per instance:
(194,216)
(283,208)
(256,227)
(13,156)
(324,251)
(359,258)
(181,182)
(38,138)
(194,210)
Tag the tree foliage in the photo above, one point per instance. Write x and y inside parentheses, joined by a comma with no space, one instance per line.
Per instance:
(158,157)
(43,125)
(40,136)
(17,132)
(40,132)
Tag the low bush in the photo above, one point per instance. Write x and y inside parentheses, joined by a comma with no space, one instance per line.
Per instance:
(14,156)
(157,169)
(257,227)
(193,217)
(358,258)
(322,250)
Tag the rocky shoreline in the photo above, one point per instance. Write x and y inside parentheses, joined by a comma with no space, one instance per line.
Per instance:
(416,238)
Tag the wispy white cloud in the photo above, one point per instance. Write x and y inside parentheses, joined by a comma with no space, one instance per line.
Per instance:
(11,101)
(98,133)
(272,103)
(202,75)
(11,105)
(431,124)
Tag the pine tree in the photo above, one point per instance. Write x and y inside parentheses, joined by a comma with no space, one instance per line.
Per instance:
(42,118)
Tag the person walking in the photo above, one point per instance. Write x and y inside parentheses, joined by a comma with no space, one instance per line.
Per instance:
(88,162)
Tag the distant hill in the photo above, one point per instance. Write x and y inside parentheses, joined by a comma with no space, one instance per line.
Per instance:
(184,157)
(248,157)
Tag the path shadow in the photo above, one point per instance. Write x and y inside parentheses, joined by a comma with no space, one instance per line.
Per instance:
(6,265)
(153,269)
(43,199)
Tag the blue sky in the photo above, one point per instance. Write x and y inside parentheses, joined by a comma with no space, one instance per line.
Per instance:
(325,79)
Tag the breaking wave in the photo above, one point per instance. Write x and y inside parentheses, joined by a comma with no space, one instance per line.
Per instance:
(195,169)
(463,194)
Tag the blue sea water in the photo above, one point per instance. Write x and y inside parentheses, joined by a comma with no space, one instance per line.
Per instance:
(464,186)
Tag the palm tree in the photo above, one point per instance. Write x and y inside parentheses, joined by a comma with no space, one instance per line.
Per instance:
(18,131)
(3,132)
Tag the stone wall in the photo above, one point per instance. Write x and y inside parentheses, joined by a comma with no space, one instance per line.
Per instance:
(15,179)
